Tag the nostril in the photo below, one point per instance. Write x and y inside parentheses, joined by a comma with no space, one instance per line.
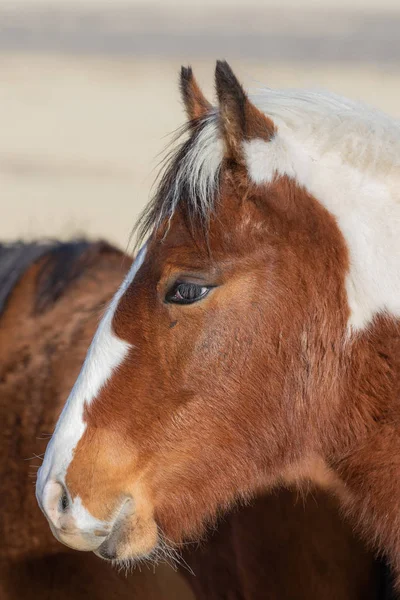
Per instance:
(64,502)
(55,501)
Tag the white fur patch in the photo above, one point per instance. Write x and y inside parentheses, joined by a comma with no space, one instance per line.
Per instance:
(75,518)
(366,207)
(105,353)
(202,165)
(84,520)
(348,157)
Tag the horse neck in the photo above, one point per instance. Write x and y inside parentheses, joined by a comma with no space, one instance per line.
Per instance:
(366,454)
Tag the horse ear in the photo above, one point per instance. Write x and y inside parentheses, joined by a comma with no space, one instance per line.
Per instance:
(195,102)
(240,119)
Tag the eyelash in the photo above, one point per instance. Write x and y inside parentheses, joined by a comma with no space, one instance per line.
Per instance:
(187,292)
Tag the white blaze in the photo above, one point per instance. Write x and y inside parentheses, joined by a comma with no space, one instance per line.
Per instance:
(105,353)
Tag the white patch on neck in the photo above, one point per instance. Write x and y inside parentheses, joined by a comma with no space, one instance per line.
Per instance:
(105,353)
(365,203)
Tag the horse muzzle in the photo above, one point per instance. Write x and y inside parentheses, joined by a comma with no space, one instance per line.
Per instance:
(126,536)
(70,522)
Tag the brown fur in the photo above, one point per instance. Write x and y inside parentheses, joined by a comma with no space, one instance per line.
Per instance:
(189,378)
(240,119)
(226,397)
(286,548)
(196,105)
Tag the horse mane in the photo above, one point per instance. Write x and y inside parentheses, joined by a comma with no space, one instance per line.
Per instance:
(63,263)
(190,173)
(188,178)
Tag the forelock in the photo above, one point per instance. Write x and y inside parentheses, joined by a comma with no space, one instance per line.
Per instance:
(189,177)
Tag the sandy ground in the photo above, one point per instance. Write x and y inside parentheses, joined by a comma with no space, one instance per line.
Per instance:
(81,137)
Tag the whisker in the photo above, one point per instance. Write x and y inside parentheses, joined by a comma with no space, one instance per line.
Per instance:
(38,456)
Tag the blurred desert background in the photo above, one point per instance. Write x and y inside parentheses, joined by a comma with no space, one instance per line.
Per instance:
(89,95)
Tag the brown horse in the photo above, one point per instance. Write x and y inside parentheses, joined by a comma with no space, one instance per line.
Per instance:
(50,298)
(254,341)
(294,547)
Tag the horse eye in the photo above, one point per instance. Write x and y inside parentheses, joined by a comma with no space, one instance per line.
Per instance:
(187,293)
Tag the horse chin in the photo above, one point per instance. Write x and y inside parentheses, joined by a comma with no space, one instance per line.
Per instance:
(130,542)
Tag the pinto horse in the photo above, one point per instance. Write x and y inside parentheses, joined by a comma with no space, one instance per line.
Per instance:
(50,298)
(255,340)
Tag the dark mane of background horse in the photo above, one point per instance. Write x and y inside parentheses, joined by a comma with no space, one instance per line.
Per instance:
(63,263)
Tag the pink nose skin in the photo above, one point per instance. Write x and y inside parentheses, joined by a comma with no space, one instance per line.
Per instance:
(67,520)
(54,502)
